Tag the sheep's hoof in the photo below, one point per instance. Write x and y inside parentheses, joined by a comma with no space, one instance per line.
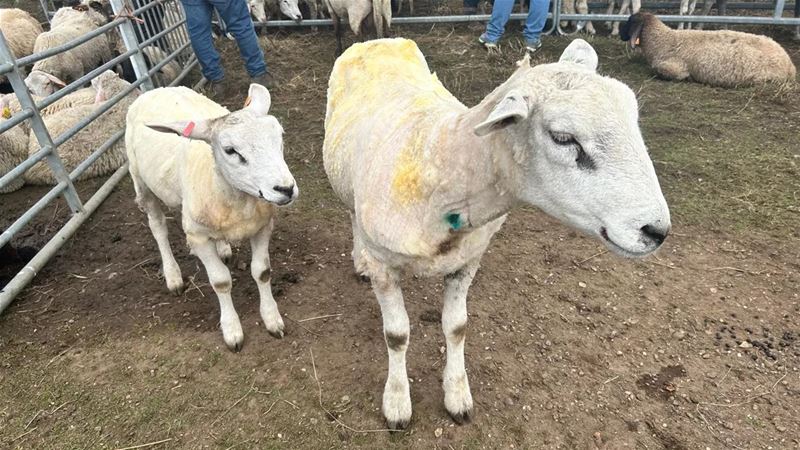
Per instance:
(278,334)
(462,417)
(176,288)
(397,425)
(235,347)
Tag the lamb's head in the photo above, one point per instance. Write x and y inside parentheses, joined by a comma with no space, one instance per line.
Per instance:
(247,146)
(42,83)
(577,150)
(290,9)
(256,8)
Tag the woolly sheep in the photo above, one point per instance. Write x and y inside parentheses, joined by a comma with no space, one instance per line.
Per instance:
(226,178)
(56,71)
(13,150)
(718,58)
(429,181)
(357,11)
(20,30)
(86,141)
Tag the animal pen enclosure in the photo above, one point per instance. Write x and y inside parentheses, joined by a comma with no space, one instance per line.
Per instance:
(568,347)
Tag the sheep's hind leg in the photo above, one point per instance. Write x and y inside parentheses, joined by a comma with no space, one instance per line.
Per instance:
(220,278)
(396,394)
(457,396)
(158,226)
(224,250)
(672,70)
(359,258)
(261,271)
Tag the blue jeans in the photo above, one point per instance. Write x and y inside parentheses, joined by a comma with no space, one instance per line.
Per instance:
(501,11)
(237,18)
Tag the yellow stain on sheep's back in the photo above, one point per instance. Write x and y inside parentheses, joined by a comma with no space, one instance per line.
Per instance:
(408,184)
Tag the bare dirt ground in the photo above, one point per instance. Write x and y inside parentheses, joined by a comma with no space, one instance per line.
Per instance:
(568,346)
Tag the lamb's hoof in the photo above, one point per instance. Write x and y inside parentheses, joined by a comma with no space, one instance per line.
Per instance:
(274,326)
(397,425)
(176,287)
(276,334)
(462,417)
(234,337)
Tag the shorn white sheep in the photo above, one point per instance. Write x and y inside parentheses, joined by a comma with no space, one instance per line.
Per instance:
(718,58)
(225,171)
(86,141)
(429,181)
(20,30)
(52,73)
(356,12)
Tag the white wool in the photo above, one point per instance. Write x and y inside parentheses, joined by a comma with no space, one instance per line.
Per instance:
(20,30)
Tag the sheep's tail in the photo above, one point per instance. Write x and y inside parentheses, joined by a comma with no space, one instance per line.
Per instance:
(382,13)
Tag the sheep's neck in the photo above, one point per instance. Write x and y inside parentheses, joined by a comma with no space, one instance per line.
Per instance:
(475,186)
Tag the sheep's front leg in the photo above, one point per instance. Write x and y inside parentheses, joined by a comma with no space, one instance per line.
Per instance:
(220,278)
(457,397)
(672,69)
(261,272)
(396,394)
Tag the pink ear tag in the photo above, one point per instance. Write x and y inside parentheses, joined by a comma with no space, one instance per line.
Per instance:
(188,130)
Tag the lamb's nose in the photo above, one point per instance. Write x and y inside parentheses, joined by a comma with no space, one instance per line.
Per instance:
(285,190)
(655,234)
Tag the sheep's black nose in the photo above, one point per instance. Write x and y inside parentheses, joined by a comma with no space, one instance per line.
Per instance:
(655,234)
(285,190)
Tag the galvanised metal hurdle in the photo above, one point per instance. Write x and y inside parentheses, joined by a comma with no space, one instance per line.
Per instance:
(139,28)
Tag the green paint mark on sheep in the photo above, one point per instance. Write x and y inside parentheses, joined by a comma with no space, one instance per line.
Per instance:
(454,220)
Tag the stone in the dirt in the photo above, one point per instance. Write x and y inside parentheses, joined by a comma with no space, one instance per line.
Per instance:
(746,344)
(679,334)
(508,401)
(437,432)
(582,284)
(780,428)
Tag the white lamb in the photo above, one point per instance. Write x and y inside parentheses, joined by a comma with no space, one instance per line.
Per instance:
(20,30)
(50,74)
(357,12)
(429,181)
(225,178)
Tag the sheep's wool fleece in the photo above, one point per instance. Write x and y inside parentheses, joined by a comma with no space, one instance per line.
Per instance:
(182,172)
(13,150)
(387,118)
(20,30)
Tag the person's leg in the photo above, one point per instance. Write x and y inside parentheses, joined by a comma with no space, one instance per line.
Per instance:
(237,17)
(501,11)
(537,16)
(198,22)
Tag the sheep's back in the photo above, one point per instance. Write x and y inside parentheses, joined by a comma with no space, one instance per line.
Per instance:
(20,30)
(731,58)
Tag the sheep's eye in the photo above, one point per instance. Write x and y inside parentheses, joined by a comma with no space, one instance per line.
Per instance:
(230,151)
(583,160)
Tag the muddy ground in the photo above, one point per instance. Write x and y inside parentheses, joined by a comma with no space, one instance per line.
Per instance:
(568,346)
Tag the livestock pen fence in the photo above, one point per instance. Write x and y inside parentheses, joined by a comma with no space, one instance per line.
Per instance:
(141,24)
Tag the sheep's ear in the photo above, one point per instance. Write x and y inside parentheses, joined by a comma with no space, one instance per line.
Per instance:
(512,108)
(54,79)
(258,100)
(580,52)
(200,129)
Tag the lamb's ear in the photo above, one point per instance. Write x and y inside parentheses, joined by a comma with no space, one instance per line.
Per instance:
(580,52)
(511,109)
(54,79)
(258,100)
(199,129)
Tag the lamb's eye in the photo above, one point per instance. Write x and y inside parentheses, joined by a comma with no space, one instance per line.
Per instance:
(230,151)
(584,161)
(563,138)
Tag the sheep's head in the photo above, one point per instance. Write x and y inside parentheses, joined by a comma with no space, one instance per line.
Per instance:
(631,31)
(247,146)
(577,150)
(256,8)
(290,9)
(43,84)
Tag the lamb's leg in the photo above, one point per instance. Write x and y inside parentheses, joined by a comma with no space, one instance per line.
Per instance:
(224,250)
(220,278)
(583,8)
(682,11)
(610,10)
(672,69)
(261,272)
(568,7)
(457,397)
(623,9)
(722,10)
(158,226)
(396,394)
(337,30)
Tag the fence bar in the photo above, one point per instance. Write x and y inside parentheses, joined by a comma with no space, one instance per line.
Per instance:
(39,129)
(185,72)
(735,20)
(675,5)
(25,275)
(129,39)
